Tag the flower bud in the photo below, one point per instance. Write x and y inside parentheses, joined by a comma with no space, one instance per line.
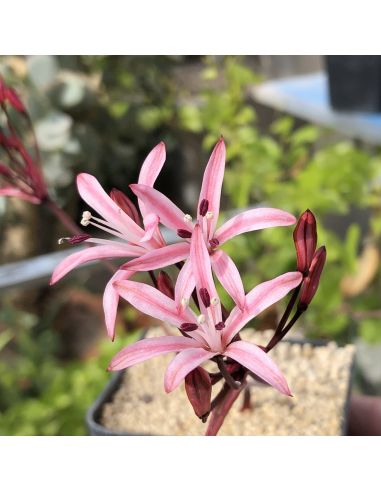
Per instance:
(198,387)
(125,204)
(311,282)
(305,239)
(165,284)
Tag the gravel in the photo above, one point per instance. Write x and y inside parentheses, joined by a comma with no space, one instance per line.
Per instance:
(318,378)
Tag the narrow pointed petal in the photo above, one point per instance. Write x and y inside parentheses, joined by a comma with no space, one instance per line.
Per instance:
(259,299)
(151,222)
(111,300)
(170,215)
(253,220)
(151,301)
(90,254)
(183,364)
(228,274)
(159,258)
(212,181)
(94,195)
(146,349)
(260,363)
(150,170)
(15,192)
(185,285)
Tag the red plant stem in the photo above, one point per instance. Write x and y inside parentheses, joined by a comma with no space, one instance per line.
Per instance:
(288,310)
(225,373)
(279,336)
(62,216)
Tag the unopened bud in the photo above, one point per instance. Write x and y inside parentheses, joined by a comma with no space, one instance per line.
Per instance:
(198,387)
(311,282)
(165,284)
(125,204)
(305,239)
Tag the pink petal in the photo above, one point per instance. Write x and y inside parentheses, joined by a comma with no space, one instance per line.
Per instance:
(259,299)
(95,196)
(150,170)
(228,274)
(159,258)
(89,254)
(111,300)
(183,364)
(15,192)
(151,222)
(252,220)
(199,256)
(170,215)
(148,348)
(185,284)
(212,181)
(151,301)
(258,362)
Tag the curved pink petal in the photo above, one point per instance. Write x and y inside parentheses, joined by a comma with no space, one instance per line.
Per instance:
(259,299)
(94,195)
(150,170)
(111,300)
(212,182)
(90,254)
(170,215)
(159,258)
(183,364)
(252,220)
(151,222)
(185,284)
(15,192)
(151,301)
(148,348)
(228,274)
(260,363)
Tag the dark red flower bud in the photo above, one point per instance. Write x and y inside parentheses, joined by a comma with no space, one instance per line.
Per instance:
(220,326)
(198,387)
(183,233)
(204,205)
(125,204)
(311,282)
(205,297)
(165,284)
(188,327)
(305,239)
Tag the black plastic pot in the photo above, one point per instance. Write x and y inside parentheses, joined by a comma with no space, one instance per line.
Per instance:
(95,411)
(354,82)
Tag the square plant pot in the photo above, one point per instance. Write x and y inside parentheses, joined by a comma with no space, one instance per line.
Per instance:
(319,373)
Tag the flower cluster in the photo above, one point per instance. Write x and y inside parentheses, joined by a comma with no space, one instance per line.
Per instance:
(205,330)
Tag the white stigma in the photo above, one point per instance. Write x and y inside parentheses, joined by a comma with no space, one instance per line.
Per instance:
(201,319)
(184,302)
(86,216)
(62,240)
(214,301)
(187,218)
(209,215)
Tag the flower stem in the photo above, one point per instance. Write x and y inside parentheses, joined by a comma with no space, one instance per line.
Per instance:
(227,376)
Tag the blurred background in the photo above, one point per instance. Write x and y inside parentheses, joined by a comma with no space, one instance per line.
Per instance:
(296,139)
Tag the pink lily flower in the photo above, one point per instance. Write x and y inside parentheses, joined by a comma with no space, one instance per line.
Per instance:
(120,219)
(207,215)
(206,335)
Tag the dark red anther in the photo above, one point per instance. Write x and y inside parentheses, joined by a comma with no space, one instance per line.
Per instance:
(77,239)
(214,243)
(204,205)
(165,284)
(205,297)
(188,327)
(220,326)
(305,239)
(183,233)
(311,282)
(125,204)
(198,387)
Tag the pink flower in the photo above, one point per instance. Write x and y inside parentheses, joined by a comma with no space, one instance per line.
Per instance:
(119,218)
(206,335)
(207,216)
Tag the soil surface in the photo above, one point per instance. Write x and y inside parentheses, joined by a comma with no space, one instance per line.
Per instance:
(318,378)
